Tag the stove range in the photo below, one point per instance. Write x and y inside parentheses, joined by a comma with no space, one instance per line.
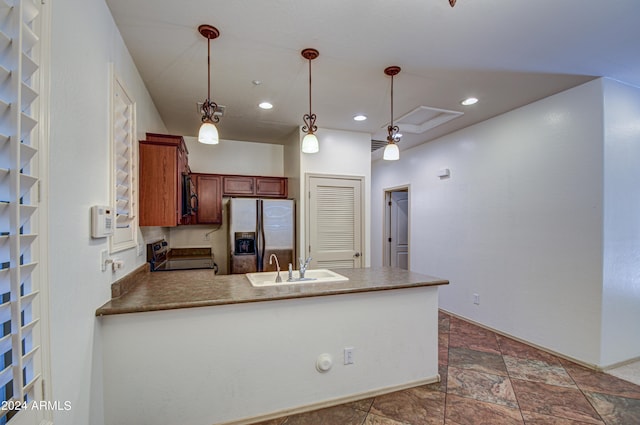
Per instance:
(160,260)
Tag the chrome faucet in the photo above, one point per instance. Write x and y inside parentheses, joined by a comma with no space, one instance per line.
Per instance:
(303,266)
(278,278)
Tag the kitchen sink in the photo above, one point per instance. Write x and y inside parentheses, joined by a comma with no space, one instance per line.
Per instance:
(311,276)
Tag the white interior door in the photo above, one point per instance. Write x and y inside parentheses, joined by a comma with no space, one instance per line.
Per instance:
(334,221)
(399,237)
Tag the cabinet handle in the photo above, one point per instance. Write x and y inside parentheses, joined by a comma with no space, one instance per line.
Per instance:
(195,209)
(357,254)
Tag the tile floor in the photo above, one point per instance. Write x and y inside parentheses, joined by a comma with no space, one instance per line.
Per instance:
(629,372)
(488,379)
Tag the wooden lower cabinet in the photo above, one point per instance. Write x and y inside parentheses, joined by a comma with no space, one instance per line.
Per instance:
(209,191)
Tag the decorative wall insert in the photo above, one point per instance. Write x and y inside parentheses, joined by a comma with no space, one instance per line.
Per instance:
(124,169)
(21,83)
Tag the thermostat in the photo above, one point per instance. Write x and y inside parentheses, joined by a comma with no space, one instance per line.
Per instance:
(102,221)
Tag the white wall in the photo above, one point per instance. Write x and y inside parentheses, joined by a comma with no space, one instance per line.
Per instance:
(519,221)
(246,360)
(341,153)
(621,287)
(85,41)
(235,157)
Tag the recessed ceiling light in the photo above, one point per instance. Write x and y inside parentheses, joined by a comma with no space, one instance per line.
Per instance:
(265,105)
(359,117)
(469,101)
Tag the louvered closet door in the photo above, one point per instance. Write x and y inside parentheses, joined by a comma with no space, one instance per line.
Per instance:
(20,323)
(335,222)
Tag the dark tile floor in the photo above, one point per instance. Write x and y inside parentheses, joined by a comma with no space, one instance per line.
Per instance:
(488,379)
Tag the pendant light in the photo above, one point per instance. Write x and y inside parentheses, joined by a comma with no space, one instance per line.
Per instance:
(391,151)
(208,133)
(310,141)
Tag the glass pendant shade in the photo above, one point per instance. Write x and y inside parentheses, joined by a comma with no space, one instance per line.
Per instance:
(208,133)
(310,143)
(391,152)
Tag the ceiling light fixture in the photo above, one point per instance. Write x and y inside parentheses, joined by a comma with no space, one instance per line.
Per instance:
(360,117)
(265,105)
(469,101)
(391,151)
(310,141)
(208,133)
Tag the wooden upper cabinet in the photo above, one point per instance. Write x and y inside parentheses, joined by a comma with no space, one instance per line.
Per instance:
(268,187)
(271,187)
(238,185)
(162,164)
(209,205)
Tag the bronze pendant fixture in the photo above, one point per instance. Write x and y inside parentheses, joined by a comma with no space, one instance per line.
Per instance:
(391,151)
(310,141)
(208,132)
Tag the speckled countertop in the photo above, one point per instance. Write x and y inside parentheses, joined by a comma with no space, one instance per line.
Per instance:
(198,288)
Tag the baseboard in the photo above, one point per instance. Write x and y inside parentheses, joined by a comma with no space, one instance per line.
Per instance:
(330,403)
(620,364)
(546,350)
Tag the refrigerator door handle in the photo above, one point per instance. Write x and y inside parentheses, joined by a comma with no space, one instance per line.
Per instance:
(259,236)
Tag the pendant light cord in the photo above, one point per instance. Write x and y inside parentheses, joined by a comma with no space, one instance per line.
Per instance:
(310,87)
(209,68)
(392,101)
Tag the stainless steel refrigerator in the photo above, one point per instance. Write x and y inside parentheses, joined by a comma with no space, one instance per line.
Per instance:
(257,229)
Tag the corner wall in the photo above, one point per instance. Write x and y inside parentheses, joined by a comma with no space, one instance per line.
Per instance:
(341,153)
(621,275)
(519,221)
(84,44)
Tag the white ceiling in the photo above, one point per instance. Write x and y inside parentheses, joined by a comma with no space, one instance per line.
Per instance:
(507,53)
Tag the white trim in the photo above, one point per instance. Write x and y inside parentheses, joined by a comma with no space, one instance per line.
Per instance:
(333,402)
(306,195)
(43,225)
(129,235)
(386,220)
(529,343)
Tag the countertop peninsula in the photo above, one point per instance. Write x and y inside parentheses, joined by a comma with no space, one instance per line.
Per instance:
(199,288)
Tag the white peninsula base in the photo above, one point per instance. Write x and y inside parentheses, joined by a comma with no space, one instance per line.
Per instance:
(241,363)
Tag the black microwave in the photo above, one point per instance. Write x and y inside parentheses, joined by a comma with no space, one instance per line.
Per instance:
(189,196)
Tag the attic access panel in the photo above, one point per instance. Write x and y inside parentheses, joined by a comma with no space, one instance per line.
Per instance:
(424,118)
(418,121)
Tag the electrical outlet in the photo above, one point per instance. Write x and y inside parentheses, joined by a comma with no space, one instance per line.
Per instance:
(476,299)
(348,355)
(104,258)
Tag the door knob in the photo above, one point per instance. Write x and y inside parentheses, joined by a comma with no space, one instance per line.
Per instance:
(357,254)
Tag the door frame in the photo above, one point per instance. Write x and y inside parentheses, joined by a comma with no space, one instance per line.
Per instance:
(307,213)
(386,223)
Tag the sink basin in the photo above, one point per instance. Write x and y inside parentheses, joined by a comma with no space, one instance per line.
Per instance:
(314,276)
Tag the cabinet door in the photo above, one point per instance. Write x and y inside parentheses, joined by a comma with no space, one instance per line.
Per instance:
(209,199)
(238,186)
(275,187)
(158,192)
